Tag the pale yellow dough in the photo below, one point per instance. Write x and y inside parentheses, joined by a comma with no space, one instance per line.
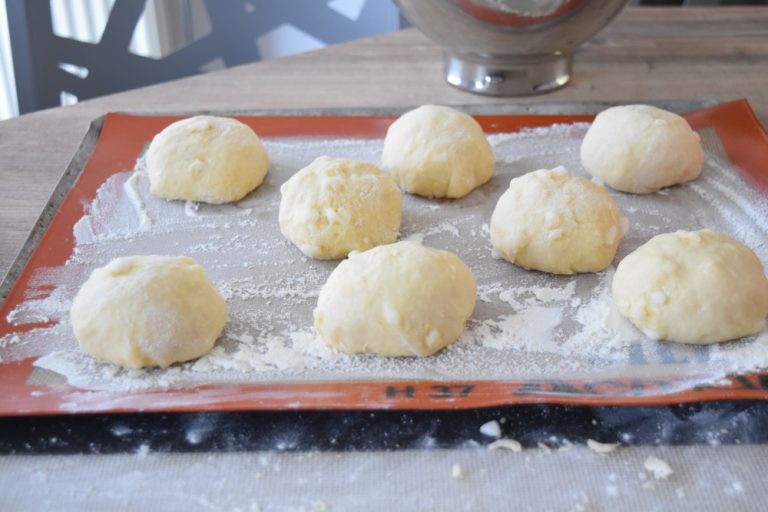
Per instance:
(436,151)
(692,287)
(336,205)
(401,299)
(641,149)
(143,311)
(206,158)
(552,221)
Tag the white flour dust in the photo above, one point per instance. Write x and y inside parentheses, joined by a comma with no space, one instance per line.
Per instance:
(526,324)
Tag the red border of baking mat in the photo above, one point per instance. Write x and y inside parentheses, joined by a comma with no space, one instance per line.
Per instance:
(120,141)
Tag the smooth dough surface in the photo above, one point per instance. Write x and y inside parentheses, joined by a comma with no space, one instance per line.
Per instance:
(401,299)
(641,149)
(143,311)
(692,287)
(552,221)
(436,151)
(336,205)
(206,158)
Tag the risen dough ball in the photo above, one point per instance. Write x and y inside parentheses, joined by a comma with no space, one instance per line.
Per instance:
(401,299)
(641,149)
(692,287)
(141,311)
(551,221)
(335,206)
(437,151)
(206,158)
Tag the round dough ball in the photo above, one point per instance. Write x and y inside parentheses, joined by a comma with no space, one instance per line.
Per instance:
(436,151)
(205,158)
(692,287)
(641,149)
(401,299)
(335,206)
(552,221)
(141,311)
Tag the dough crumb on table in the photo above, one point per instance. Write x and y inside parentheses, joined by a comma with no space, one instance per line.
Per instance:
(506,444)
(598,447)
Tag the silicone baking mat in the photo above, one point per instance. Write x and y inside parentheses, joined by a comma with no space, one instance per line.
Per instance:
(112,148)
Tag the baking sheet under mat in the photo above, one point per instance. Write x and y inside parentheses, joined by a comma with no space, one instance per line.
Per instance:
(526,324)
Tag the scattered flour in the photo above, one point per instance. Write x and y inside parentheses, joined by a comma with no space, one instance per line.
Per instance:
(491,429)
(658,468)
(445,227)
(142,452)
(526,324)
(734,488)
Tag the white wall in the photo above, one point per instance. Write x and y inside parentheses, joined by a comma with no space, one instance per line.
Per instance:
(8,106)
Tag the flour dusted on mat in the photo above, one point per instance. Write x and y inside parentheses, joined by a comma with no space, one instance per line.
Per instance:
(525,324)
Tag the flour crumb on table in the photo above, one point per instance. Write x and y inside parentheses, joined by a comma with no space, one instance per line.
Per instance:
(321,506)
(658,468)
(491,429)
(142,451)
(581,504)
(734,488)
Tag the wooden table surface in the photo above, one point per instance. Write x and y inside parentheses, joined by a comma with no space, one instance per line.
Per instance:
(645,54)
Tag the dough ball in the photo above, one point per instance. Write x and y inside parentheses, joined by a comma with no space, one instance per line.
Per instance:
(335,206)
(641,149)
(205,158)
(552,221)
(692,287)
(401,299)
(435,151)
(141,311)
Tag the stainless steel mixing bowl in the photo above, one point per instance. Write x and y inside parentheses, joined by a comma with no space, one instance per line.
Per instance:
(509,47)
